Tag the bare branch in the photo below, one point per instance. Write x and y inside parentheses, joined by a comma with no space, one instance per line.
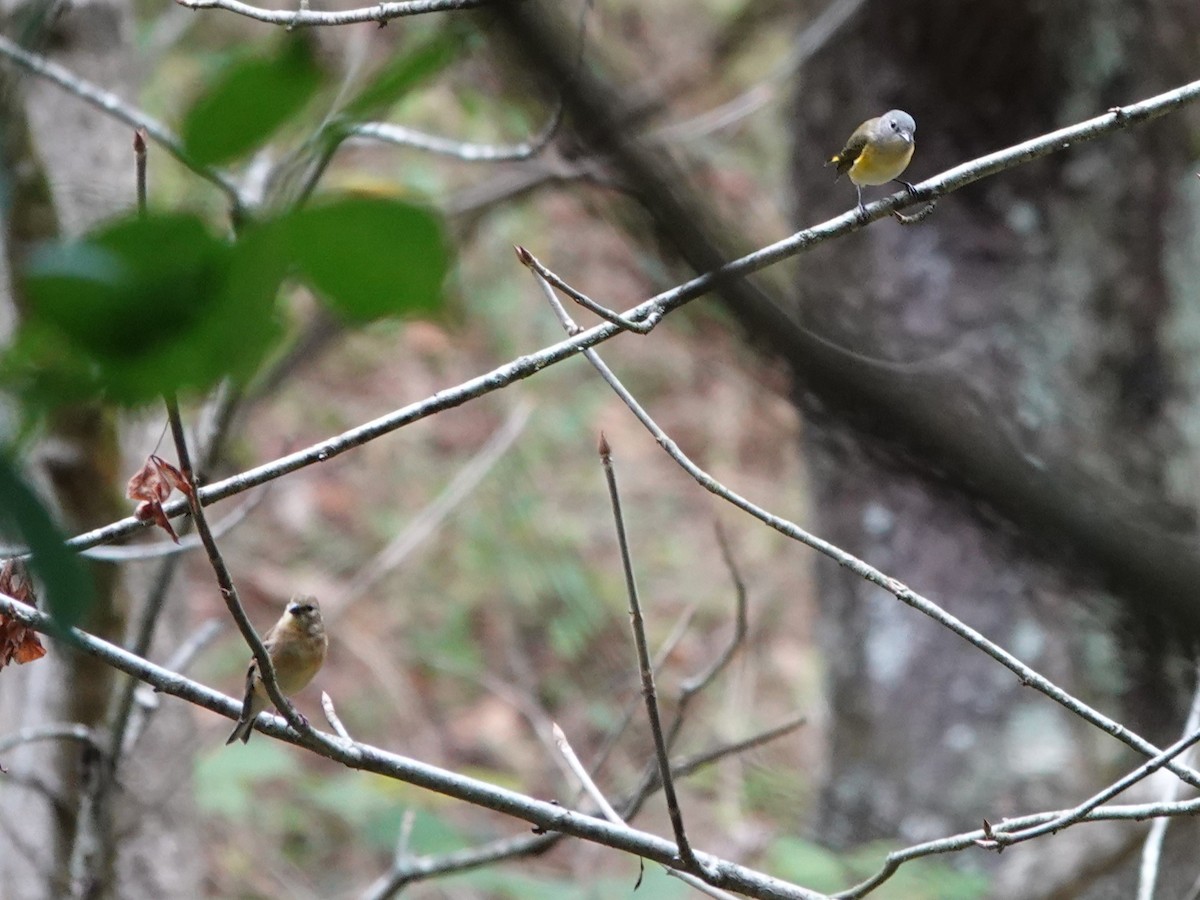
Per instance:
(568,753)
(332,718)
(69,731)
(114,106)
(580,772)
(1132,813)
(381,12)
(407,871)
(700,681)
(608,315)
(869,573)
(655,308)
(229,593)
(157,549)
(465,151)
(547,816)
(147,698)
(645,668)
(1003,837)
(1152,849)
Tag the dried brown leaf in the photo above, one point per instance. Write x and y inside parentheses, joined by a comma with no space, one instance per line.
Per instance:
(152,484)
(16,641)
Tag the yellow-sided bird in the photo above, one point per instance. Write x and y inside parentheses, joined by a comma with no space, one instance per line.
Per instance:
(878,151)
(296,645)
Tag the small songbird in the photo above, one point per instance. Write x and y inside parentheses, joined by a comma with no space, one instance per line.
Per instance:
(296,645)
(878,151)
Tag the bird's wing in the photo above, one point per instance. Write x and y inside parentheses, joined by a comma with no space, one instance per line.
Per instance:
(851,152)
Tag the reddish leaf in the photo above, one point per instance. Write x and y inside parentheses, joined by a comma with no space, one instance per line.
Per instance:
(152,484)
(154,480)
(173,475)
(152,511)
(16,641)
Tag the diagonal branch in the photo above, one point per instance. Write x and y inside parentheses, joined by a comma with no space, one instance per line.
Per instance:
(657,307)
(869,573)
(645,667)
(225,580)
(109,103)
(364,757)
(380,13)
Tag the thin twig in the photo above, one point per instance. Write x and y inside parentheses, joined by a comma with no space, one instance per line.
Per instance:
(668,646)
(67,731)
(658,306)
(529,260)
(697,761)
(1003,837)
(123,553)
(741,625)
(1152,849)
(465,151)
(649,694)
(139,156)
(380,13)
(1131,813)
(233,603)
(158,549)
(593,791)
(332,718)
(364,757)
(585,780)
(109,103)
(146,697)
(896,588)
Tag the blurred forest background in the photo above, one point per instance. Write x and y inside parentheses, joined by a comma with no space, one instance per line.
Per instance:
(995,405)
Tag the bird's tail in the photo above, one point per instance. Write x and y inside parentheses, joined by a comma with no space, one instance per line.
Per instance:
(242,730)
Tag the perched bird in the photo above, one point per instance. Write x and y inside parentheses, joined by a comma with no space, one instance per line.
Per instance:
(878,151)
(296,645)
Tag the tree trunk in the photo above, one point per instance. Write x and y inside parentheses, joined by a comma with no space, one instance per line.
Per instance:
(72,167)
(1026,351)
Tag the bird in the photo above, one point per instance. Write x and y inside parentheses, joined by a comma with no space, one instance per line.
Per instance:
(877,152)
(296,645)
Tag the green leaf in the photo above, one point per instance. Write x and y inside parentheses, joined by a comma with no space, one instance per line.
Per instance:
(68,589)
(152,304)
(251,101)
(371,257)
(402,74)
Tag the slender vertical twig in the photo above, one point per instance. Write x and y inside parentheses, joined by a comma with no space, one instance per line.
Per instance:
(146,697)
(225,580)
(593,790)
(1152,849)
(139,156)
(647,670)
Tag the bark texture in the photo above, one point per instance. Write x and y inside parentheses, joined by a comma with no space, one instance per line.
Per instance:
(1033,395)
(70,168)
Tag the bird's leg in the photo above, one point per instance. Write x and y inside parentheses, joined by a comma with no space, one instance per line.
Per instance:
(862,209)
(908,185)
